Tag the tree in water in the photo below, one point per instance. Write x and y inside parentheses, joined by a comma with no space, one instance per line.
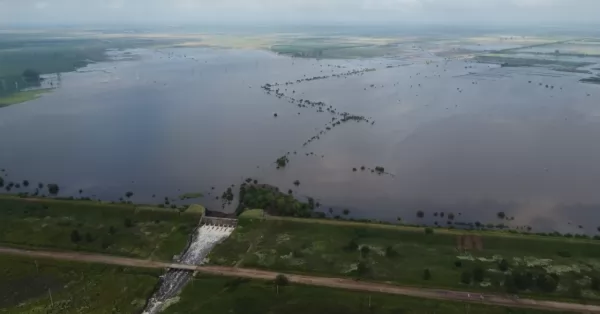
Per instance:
(31,75)
(53,188)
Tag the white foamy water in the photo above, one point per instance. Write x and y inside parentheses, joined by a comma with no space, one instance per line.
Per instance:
(207,236)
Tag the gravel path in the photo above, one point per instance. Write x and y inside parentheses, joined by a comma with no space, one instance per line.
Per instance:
(350,284)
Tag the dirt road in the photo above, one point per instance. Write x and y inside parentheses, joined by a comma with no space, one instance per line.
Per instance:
(315,281)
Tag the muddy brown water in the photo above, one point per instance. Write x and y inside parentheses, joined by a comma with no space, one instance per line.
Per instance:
(466,138)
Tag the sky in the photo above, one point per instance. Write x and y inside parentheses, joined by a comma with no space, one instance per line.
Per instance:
(299,11)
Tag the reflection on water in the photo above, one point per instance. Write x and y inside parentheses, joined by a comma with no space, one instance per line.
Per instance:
(457,136)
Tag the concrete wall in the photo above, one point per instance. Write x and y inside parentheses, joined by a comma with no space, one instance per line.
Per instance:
(217,221)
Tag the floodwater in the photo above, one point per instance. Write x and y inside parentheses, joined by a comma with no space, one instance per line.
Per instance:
(472,138)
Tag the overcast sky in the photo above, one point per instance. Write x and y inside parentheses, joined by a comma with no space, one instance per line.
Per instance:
(299,11)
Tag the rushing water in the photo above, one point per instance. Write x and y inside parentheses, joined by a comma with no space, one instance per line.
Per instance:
(454,136)
(173,281)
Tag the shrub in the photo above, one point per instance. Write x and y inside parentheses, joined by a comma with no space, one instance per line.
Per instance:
(75,237)
(546,283)
(428,231)
(563,254)
(503,265)
(351,246)
(595,284)
(390,252)
(364,251)
(465,277)
(88,237)
(458,263)
(281,280)
(361,268)
(128,223)
(509,284)
(478,273)
(53,188)
(426,274)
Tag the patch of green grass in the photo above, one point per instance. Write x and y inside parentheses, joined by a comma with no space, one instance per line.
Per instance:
(26,286)
(398,255)
(23,96)
(252,213)
(196,209)
(222,295)
(120,229)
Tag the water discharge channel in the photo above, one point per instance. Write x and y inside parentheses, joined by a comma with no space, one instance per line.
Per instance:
(206,237)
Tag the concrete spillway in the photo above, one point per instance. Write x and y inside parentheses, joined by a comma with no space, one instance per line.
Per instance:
(206,237)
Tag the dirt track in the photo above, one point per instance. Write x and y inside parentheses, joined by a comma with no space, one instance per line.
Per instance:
(316,281)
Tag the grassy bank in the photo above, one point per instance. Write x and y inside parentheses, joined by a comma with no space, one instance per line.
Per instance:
(120,229)
(23,96)
(221,295)
(26,286)
(453,259)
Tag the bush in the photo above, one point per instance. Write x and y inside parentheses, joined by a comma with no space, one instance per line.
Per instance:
(426,274)
(546,283)
(503,265)
(509,284)
(523,280)
(458,263)
(465,277)
(478,273)
(75,237)
(428,231)
(53,189)
(128,223)
(364,251)
(563,254)
(281,280)
(88,237)
(390,252)
(362,268)
(595,284)
(351,246)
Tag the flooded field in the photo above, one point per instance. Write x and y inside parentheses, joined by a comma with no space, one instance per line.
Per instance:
(453,136)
